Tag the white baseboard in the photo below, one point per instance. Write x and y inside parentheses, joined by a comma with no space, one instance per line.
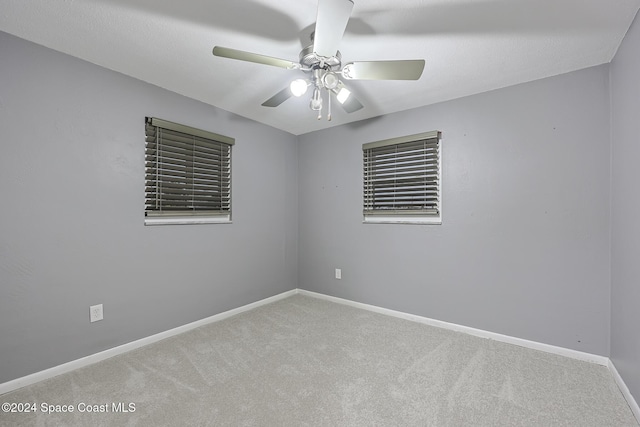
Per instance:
(625,391)
(97,357)
(561,351)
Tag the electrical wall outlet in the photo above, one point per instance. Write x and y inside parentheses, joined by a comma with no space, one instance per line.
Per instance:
(95,313)
(338,273)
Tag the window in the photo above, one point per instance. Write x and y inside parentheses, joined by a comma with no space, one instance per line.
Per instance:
(187,174)
(402,179)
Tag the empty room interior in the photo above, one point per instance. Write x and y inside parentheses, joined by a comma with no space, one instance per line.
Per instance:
(438,226)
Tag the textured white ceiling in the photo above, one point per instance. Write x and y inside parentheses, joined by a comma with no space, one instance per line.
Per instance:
(470,46)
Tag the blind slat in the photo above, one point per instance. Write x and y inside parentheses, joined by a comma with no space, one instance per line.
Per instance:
(213,152)
(417,172)
(181,182)
(185,156)
(395,150)
(402,180)
(188,172)
(416,160)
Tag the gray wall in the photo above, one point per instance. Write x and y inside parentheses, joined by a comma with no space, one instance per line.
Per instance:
(71,220)
(523,248)
(625,212)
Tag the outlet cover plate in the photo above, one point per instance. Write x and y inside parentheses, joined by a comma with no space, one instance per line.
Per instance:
(95,313)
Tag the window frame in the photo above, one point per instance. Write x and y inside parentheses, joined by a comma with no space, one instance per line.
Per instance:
(399,217)
(186,216)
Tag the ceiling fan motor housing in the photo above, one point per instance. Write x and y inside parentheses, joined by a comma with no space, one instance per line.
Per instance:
(309,59)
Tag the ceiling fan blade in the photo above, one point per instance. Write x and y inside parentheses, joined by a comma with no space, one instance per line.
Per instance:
(241,55)
(278,98)
(384,70)
(346,99)
(331,23)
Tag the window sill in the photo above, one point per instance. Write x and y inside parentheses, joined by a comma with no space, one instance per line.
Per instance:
(401,220)
(187,220)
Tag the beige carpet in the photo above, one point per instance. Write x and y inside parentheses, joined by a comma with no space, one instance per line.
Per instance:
(303,361)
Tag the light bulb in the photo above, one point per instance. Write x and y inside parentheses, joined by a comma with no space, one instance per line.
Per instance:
(298,87)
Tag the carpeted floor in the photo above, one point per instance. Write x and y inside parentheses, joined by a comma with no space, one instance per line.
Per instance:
(304,361)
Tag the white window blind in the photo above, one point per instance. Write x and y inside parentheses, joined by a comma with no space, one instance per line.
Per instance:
(187,174)
(402,179)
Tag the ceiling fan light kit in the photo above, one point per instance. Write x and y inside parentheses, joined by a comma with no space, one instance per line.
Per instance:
(323,63)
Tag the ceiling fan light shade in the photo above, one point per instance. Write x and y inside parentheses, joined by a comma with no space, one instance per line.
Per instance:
(298,87)
(330,81)
(343,94)
(316,100)
(349,102)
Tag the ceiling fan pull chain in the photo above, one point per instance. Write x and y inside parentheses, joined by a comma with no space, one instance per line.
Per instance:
(328,105)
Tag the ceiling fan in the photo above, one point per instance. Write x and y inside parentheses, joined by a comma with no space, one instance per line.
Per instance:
(322,62)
